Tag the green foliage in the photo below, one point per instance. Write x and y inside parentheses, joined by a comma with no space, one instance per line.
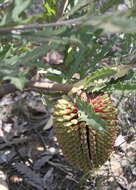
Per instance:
(110,4)
(79,6)
(103,74)
(125,86)
(18,81)
(50,7)
(88,35)
(89,116)
(50,10)
(14,12)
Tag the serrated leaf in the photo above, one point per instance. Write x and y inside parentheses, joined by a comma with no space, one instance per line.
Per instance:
(19,9)
(108,4)
(49,9)
(4,50)
(19,82)
(13,60)
(14,12)
(87,114)
(7,70)
(46,32)
(80,4)
(129,86)
(112,23)
(98,80)
(100,76)
(97,88)
(55,39)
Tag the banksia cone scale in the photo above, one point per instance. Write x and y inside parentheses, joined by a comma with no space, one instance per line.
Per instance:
(82,145)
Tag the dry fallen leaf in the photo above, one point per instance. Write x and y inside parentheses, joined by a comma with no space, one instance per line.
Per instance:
(53,58)
(122,70)
(49,123)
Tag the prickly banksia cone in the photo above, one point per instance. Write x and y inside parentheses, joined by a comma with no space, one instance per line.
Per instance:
(82,145)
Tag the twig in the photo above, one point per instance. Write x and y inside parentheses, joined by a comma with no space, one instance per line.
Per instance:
(40,138)
(45,25)
(21,157)
(15,141)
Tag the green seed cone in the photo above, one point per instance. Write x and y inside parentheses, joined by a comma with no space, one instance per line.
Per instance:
(82,145)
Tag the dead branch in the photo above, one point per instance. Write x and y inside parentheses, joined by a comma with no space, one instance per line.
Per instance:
(51,86)
(40,26)
(8,88)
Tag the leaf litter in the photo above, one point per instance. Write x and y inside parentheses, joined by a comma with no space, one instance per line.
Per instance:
(31,159)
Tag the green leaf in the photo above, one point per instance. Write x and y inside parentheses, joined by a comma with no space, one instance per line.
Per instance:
(20,6)
(110,4)
(80,4)
(2,1)
(19,82)
(8,70)
(12,60)
(103,74)
(54,39)
(125,86)
(87,114)
(48,32)
(49,9)
(112,23)
(14,13)
(54,75)
(79,58)
(34,54)
(4,51)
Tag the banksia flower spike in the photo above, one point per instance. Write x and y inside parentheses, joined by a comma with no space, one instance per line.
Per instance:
(84,146)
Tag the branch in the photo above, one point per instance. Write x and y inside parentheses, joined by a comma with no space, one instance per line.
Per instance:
(51,86)
(8,88)
(39,26)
